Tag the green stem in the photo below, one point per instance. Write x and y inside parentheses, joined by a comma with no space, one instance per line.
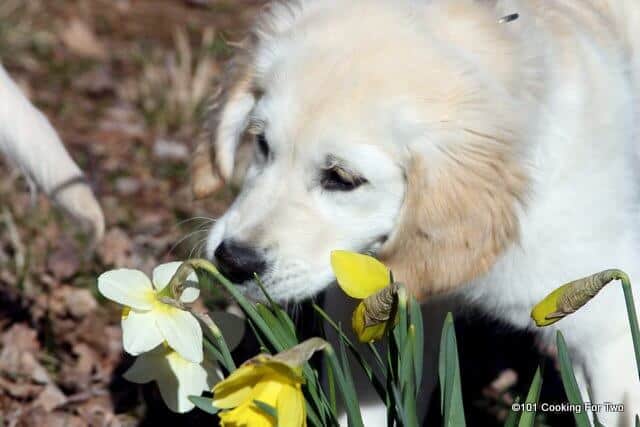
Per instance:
(380,389)
(632,314)
(348,393)
(219,341)
(197,265)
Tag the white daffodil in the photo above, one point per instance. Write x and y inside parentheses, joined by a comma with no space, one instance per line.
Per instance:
(147,319)
(177,377)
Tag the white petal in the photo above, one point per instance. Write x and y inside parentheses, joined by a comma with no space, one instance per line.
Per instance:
(178,380)
(140,332)
(163,273)
(213,373)
(190,293)
(169,390)
(145,368)
(192,377)
(181,331)
(131,288)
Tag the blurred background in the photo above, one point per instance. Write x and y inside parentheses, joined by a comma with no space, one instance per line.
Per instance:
(126,83)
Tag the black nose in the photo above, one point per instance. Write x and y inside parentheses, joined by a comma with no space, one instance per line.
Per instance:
(238,262)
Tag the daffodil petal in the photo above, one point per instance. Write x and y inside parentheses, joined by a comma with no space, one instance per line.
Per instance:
(139,332)
(359,275)
(290,402)
(143,370)
(163,273)
(372,333)
(246,415)
(127,287)
(214,375)
(181,331)
(191,377)
(236,388)
(190,293)
(169,387)
(547,306)
(369,333)
(267,392)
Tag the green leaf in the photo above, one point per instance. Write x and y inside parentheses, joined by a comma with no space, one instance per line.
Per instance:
(279,329)
(349,395)
(512,418)
(415,314)
(449,371)
(569,381)
(204,403)
(267,409)
(528,417)
(355,353)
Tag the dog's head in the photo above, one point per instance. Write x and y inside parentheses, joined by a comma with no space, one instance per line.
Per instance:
(375,126)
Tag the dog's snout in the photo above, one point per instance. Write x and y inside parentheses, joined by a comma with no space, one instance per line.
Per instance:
(238,262)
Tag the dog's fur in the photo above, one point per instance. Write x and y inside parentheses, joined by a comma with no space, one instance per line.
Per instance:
(500,158)
(29,141)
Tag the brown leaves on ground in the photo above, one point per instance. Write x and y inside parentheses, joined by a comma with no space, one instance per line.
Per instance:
(124,83)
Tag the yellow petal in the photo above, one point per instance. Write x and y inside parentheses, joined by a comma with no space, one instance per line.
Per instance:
(369,333)
(247,415)
(267,391)
(236,388)
(547,306)
(291,402)
(359,275)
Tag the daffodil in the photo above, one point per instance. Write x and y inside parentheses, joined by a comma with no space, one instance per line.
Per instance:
(365,278)
(177,377)
(151,314)
(572,296)
(264,382)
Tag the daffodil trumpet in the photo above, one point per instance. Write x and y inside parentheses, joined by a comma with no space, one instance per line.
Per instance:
(572,296)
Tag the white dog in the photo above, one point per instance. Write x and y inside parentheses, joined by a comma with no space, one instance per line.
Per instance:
(493,159)
(28,139)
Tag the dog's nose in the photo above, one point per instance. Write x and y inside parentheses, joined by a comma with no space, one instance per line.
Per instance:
(238,262)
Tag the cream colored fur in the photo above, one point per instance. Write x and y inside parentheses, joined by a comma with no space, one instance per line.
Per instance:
(29,141)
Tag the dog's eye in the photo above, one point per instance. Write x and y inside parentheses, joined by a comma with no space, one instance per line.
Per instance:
(337,179)
(263,145)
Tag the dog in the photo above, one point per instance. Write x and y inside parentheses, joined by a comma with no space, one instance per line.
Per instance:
(480,156)
(29,141)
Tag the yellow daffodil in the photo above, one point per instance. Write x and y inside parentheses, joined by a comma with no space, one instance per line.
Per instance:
(365,278)
(572,296)
(268,381)
(177,377)
(148,317)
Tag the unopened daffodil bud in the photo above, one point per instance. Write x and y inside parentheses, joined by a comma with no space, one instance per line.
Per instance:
(570,297)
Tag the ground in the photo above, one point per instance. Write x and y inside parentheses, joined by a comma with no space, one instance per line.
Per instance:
(125,83)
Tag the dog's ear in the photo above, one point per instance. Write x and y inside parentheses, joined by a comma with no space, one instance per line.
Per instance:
(214,159)
(458,216)
(221,156)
